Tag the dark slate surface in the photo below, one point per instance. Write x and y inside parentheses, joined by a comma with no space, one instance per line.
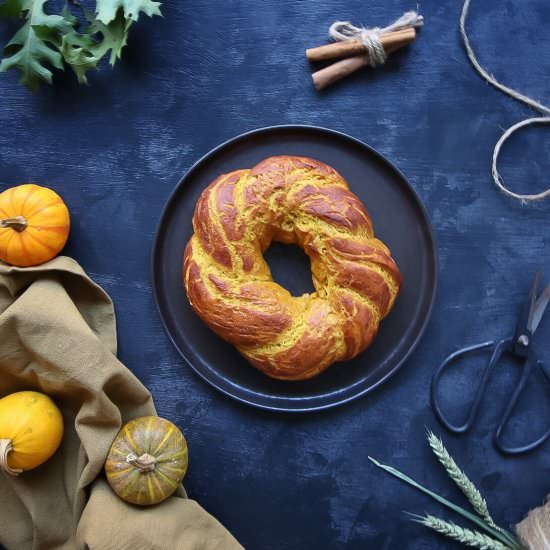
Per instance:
(210,70)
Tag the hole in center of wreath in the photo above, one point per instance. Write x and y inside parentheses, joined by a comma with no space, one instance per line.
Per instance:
(290,268)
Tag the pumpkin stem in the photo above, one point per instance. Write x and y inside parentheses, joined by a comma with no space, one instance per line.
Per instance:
(145,462)
(5,449)
(19,223)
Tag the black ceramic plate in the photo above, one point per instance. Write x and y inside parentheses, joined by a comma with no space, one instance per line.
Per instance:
(399,220)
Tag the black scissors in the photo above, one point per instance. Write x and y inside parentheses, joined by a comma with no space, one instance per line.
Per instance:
(519,345)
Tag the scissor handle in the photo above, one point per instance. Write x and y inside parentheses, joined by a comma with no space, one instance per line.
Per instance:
(499,348)
(530,363)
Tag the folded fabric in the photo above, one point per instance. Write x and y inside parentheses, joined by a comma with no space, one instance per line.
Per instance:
(58,336)
(534,530)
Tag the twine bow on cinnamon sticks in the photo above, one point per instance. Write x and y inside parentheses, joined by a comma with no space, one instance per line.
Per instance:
(361,46)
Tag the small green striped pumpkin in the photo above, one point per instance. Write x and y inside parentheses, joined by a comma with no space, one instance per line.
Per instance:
(147,460)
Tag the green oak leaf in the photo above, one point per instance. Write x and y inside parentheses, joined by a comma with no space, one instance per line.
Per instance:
(11,8)
(114,35)
(73,46)
(28,51)
(79,52)
(106,10)
(49,41)
(83,51)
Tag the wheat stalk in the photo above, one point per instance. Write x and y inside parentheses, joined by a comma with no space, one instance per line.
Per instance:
(468,537)
(496,537)
(461,479)
(506,538)
(465,485)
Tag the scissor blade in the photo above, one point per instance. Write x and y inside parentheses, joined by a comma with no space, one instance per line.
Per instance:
(538,310)
(526,315)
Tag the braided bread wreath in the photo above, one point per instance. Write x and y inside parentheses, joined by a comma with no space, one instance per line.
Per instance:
(229,285)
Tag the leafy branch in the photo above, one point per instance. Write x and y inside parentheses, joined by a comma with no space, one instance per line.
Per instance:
(53,41)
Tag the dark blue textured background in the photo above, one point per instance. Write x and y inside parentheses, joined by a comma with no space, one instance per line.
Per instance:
(212,69)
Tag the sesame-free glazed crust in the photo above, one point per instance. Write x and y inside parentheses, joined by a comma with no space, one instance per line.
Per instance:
(229,285)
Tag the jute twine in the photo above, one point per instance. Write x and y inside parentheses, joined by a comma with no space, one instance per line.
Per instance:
(542,109)
(370,36)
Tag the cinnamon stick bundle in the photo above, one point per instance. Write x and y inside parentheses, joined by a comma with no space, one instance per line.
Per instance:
(325,77)
(356,47)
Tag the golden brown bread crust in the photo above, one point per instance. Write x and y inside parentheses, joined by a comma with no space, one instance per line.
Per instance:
(229,285)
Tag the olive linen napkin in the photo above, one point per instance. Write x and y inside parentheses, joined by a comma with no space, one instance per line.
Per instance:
(58,336)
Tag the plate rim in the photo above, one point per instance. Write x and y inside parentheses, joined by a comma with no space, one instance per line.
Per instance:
(313,128)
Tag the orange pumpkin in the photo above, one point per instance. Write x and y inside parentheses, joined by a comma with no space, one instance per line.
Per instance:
(34,225)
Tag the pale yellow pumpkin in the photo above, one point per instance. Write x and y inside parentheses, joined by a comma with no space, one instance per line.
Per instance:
(31,429)
(34,225)
(147,460)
